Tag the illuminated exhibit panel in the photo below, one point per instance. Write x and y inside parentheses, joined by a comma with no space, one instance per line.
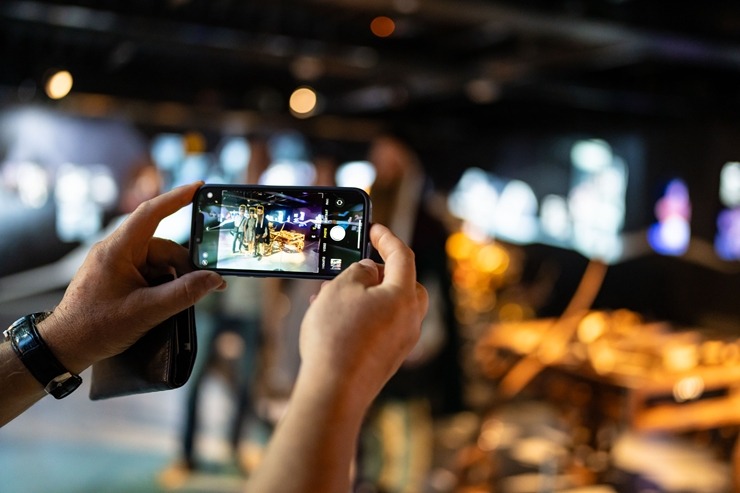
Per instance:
(727,241)
(671,234)
(588,218)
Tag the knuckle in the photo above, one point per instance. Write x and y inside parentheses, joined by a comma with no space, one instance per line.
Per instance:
(99,252)
(188,293)
(143,208)
(411,254)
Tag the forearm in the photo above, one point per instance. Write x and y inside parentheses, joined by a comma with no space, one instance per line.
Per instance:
(18,388)
(314,444)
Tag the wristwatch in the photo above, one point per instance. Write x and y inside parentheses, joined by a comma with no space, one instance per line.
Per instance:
(35,354)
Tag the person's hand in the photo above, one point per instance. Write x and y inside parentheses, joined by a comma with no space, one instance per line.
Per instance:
(354,337)
(362,324)
(109,304)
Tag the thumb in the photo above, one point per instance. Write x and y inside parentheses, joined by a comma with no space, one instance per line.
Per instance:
(365,272)
(177,295)
(193,286)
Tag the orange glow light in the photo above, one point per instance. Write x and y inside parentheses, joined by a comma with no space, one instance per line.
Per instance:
(382,26)
(459,246)
(492,259)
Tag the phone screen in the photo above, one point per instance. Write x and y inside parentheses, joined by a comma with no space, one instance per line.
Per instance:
(251,230)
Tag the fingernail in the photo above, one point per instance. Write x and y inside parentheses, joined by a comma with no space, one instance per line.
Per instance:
(216,281)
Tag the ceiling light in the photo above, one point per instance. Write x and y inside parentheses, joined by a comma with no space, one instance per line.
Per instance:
(59,85)
(303,102)
(382,26)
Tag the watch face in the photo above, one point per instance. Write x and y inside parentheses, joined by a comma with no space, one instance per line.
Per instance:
(38,358)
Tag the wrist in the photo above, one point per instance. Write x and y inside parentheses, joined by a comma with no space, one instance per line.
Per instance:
(339,394)
(59,335)
(38,358)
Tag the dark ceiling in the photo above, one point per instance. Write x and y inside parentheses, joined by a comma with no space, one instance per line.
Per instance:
(471,59)
(453,70)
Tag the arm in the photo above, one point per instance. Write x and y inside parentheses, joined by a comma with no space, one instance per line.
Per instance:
(109,304)
(354,337)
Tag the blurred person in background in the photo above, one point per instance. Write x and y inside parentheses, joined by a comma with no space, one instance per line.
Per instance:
(290,300)
(230,341)
(143,183)
(429,383)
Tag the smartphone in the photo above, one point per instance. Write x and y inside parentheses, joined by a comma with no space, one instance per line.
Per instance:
(273,231)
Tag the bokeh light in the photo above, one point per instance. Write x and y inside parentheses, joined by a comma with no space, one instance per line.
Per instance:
(382,26)
(59,84)
(358,174)
(303,102)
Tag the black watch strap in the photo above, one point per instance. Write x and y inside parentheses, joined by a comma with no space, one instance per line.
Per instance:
(37,357)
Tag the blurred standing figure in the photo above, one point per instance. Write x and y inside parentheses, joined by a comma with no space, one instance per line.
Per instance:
(230,342)
(398,187)
(429,383)
(290,300)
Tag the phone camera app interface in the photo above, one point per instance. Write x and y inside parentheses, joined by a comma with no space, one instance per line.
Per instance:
(280,230)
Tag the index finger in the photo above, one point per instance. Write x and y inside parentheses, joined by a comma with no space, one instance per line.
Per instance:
(147,216)
(400,269)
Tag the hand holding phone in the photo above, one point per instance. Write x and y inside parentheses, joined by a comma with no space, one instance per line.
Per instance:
(269,231)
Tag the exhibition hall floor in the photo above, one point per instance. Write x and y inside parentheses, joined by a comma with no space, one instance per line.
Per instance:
(119,445)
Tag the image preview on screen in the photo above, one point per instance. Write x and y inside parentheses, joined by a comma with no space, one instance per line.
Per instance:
(303,230)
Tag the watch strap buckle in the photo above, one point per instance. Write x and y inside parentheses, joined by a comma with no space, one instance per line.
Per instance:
(60,386)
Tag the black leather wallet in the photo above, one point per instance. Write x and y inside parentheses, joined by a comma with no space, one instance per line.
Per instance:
(162,359)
